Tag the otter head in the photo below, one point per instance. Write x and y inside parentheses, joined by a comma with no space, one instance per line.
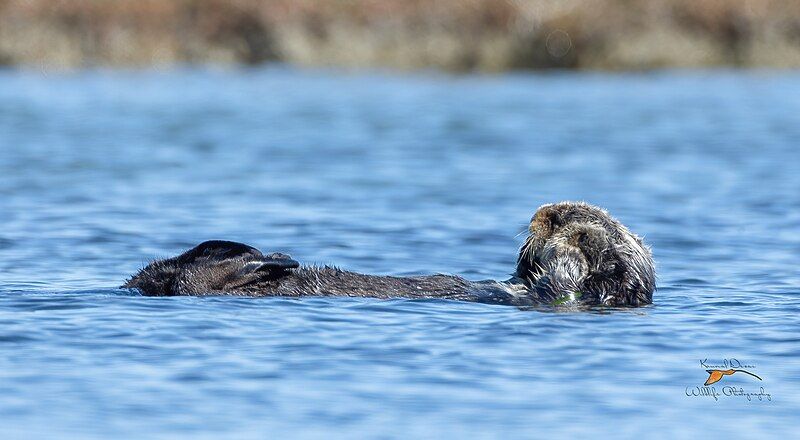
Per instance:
(212,267)
(578,251)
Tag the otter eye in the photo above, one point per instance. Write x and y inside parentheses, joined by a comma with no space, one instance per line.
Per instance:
(555,220)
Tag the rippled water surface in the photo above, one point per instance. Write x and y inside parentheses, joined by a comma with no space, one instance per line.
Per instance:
(102,171)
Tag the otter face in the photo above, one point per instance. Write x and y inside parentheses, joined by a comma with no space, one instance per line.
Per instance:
(211,267)
(579,251)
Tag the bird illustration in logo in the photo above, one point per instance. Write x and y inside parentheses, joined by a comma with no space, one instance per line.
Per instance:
(715,376)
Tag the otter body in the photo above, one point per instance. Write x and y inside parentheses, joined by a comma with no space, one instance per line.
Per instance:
(575,253)
(228,268)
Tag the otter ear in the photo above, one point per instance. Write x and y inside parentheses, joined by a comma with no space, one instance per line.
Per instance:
(274,265)
(217,250)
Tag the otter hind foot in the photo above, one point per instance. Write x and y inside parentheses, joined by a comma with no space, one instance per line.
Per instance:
(214,266)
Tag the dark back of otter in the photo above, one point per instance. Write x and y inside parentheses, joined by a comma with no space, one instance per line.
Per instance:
(331,281)
(228,268)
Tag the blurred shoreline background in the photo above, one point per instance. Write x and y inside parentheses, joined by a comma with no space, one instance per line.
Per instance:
(453,35)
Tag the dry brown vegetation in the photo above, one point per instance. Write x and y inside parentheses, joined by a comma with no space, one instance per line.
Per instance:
(486,35)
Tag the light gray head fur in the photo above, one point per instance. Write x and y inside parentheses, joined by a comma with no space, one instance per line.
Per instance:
(578,250)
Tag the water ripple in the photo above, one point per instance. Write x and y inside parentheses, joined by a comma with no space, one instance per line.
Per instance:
(104,171)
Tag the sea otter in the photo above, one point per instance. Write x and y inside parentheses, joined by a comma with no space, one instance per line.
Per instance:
(574,253)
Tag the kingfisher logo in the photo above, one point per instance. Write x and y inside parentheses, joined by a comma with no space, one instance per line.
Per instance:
(728,367)
(715,376)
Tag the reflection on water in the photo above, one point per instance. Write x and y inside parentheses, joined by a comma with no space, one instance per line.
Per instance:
(101,171)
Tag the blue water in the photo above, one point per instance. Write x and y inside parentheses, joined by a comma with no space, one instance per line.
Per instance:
(395,174)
